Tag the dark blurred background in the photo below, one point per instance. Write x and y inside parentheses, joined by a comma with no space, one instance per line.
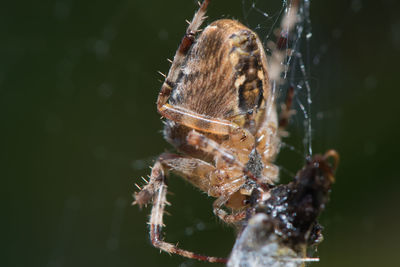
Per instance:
(79,126)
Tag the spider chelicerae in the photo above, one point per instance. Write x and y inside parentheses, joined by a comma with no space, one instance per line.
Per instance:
(221,116)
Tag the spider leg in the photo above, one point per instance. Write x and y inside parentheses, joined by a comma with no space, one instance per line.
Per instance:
(268,145)
(156,191)
(286,112)
(210,146)
(268,141)
(198,121)
(179,57)
(196,171)
(268,134)
(224,215)
(226,189)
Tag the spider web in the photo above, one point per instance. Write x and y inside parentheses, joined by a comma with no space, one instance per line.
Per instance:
(265,18)
(259,15)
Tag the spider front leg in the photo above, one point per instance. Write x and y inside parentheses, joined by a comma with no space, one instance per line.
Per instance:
(222,155)
(155,191)
(174,113)
(180,54)
(227,188)
(211,147)
(269,134)
(224,215)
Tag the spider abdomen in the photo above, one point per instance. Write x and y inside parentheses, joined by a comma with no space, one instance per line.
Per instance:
(224,74)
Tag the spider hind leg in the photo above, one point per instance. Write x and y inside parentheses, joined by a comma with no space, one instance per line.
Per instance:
(156,192)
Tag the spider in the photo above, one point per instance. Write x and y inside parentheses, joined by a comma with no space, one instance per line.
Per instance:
(221,116)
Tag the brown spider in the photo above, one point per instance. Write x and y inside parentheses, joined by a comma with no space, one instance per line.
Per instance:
(221,116)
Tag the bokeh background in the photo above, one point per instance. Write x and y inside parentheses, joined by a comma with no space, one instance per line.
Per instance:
(79,126)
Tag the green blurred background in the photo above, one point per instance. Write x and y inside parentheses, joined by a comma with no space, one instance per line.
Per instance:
(79,126)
